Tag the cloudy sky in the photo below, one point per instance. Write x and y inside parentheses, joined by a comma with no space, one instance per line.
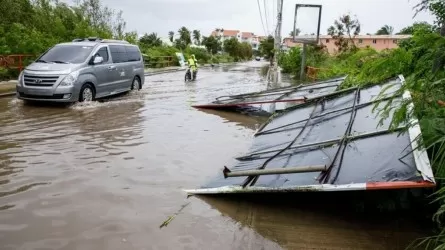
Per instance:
(161,16)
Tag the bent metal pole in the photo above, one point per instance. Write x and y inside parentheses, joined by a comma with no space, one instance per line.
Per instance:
(291,170)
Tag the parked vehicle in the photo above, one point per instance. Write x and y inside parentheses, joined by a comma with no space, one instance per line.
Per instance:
(258,58)
(82,70)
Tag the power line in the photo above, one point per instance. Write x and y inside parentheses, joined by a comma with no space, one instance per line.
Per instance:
(274,16)
(265,15)
(261,16)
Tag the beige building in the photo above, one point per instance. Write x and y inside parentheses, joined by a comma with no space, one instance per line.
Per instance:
(378,42)
(248,37)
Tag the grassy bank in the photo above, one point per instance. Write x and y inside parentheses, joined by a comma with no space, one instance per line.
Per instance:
(421,59)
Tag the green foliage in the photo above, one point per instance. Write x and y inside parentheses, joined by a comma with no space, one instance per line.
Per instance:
(237,50)
(212,44)
(385,30)
(343,32)
(151,40)
(171,35)
(290,61)
(31,27)
(197,37)
(154,57)
(418,26)
(184,39)
(267,47)
(201,54)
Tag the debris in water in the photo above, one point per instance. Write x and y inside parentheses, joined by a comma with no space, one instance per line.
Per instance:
(170,218)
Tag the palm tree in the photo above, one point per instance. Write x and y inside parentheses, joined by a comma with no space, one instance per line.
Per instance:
(171,34)
(184,35)
(151,40)
(385,30)
(197,37)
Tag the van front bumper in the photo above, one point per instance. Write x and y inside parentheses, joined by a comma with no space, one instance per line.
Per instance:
(60,94)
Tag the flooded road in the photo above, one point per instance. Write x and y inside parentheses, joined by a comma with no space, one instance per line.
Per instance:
(106,175)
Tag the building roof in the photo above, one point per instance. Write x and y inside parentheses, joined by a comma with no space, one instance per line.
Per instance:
(246,34)
(356,37)
(230,32)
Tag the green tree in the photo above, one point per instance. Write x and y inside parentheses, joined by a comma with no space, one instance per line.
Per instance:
(267,47)
(171,35)
(385,30)
(184,35)
(231,46)
(437,8)
(344,31)
(197,37)
(150,40)
(212,44)
(409,30)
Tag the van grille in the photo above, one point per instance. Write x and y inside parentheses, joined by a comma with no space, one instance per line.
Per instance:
(51,97)
(40,81)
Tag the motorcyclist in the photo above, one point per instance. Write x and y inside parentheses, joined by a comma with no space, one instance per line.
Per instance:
(193,64)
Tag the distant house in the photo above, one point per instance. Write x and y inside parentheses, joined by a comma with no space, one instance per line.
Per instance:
(248,37)
(378,42)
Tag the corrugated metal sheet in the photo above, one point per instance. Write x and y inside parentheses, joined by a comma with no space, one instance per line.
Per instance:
(342,132)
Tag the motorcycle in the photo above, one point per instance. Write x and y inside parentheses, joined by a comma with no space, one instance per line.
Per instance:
(189,76)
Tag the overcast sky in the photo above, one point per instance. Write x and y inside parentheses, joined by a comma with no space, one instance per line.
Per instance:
(161,16)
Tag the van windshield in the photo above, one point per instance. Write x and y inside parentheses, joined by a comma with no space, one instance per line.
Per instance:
(66,54)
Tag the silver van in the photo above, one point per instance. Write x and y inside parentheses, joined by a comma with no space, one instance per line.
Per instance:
(82,70)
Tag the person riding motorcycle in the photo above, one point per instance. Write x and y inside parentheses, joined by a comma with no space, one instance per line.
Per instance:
(193,65)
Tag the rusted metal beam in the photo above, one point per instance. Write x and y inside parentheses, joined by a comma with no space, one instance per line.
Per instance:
(291,170)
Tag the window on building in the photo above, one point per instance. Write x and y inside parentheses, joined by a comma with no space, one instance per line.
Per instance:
(394,41)
(360,40)
(374,41)
(327,40)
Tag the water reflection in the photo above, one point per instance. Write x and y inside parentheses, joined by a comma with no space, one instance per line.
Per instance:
(320,221)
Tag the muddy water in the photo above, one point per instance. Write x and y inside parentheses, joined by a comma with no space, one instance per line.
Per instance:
(106,175)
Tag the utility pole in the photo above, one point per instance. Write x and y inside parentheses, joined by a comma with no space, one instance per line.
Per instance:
(277,45)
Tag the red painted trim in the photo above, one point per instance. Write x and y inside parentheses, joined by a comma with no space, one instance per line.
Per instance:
(399,185)
(245,103)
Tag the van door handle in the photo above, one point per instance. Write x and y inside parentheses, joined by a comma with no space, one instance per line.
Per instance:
(111,68)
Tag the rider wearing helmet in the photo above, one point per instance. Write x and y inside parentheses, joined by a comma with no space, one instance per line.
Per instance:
(193,63)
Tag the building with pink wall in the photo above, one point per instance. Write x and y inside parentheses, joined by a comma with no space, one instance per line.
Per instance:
(378,42)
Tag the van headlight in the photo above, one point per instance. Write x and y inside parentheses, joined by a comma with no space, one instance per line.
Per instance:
(20,80)
(70,79)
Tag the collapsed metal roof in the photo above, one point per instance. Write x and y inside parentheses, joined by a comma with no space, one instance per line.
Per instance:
(331,143)
(283,97)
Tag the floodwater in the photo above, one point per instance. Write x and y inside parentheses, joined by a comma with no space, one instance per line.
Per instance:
(107,175)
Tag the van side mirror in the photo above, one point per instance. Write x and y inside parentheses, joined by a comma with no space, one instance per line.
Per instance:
(98,60)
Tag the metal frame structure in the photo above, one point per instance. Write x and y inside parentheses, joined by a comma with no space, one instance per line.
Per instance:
(307,41)
(326,180)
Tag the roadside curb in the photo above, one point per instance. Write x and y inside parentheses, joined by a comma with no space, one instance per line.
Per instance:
(7,94)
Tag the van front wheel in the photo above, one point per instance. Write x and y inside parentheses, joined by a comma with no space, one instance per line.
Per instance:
(86,93)
(136,85)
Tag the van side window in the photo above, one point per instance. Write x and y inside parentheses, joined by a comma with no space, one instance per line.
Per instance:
(118,53)
(133,53)
(103,52)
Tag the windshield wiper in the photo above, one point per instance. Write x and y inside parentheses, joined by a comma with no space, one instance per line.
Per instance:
(59,62)
(42,61)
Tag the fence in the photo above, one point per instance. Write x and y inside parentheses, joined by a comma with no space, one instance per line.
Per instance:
(159,61)
(19,61)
